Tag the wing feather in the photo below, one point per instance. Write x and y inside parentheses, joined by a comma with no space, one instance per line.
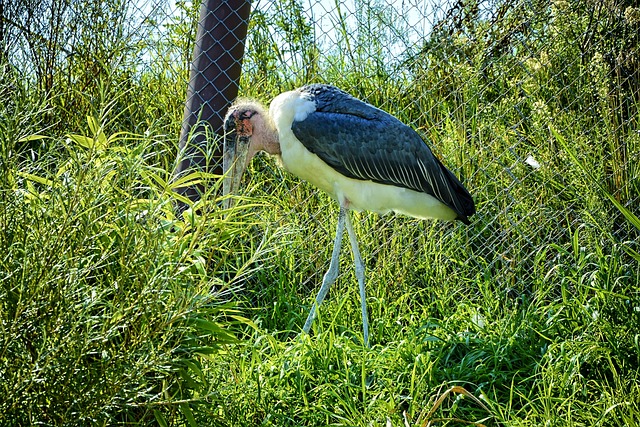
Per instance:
(366,143)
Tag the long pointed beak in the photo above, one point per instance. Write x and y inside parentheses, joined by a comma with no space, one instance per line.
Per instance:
(234,163)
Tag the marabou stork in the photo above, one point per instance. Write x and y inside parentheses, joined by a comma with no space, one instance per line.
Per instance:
(363,157)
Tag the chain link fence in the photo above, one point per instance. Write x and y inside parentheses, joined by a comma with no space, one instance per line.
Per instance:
(533,103)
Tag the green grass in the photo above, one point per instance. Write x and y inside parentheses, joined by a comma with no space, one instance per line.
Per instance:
(116,311)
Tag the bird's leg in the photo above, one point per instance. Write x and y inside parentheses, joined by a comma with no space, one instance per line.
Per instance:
(360,276)
(332,273)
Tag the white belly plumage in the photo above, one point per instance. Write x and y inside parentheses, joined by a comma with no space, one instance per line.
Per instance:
(360,195)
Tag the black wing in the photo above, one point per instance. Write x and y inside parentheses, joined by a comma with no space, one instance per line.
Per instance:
(364,142)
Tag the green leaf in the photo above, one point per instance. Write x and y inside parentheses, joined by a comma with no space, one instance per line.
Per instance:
(210,327)
(630,216)
(160,418)
(81,140)
(115,137)
(99,137)
(188,414)
(36,178)
(191,179)
(35,137)
(93,124)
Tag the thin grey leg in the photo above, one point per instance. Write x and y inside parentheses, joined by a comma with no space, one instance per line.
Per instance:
(332,273)
(360,275)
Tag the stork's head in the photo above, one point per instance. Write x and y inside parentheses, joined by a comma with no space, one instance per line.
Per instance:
(248,129)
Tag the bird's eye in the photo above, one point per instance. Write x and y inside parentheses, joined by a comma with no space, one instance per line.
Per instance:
(247,114)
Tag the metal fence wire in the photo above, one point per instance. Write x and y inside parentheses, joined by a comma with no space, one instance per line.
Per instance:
(513,95)
(486,83)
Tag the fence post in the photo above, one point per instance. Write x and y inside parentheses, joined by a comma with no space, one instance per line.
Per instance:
(213,85)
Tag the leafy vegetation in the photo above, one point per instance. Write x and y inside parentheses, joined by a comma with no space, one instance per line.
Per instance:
(116,310)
